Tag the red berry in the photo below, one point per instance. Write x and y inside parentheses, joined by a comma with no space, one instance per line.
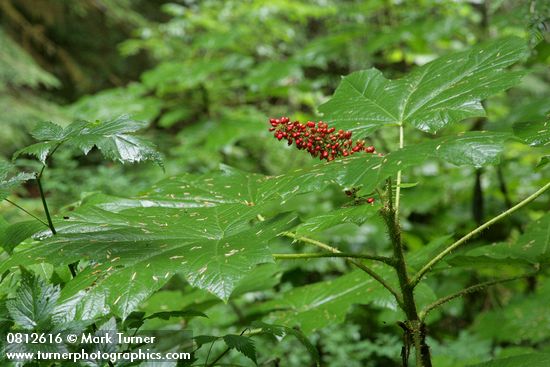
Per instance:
(318,139)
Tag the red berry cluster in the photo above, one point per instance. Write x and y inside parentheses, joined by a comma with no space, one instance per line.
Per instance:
(317,138)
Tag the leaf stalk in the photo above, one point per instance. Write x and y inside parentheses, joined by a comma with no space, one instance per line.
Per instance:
(356,263)
(45,205)
(475,288)
(26,211)
(313,255)
(475,232)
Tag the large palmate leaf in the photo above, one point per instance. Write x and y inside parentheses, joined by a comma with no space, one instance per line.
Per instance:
(137,250)
(114,138)
(444,91)
(8,184)
(315,306)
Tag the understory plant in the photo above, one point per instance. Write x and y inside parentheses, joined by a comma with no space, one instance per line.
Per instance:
(215,233)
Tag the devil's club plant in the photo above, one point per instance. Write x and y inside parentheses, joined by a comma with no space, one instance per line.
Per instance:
(215,230)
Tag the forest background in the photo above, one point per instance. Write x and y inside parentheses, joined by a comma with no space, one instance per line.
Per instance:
(206,76)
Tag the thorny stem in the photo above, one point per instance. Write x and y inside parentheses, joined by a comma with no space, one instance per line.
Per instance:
(361,266)
(475,288)
(476,231)
(388,213)
(311,241)
(414,326)
(26,211)
(313,255)
(398,181)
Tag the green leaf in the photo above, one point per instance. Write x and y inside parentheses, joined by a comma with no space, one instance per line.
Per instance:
(475,149)
(113,138)
(532,247)
(12,235)
(39,150)
(533,133)
(263,277)
(34,303)
(227,186)
(138,250)
(314,306)
(543,161)
(444,91)
(9,184)
(48,131)
(243,344)
(317,305)
(531,360)
(356,214)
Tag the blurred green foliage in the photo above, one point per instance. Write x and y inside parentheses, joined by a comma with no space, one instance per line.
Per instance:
(206,75)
